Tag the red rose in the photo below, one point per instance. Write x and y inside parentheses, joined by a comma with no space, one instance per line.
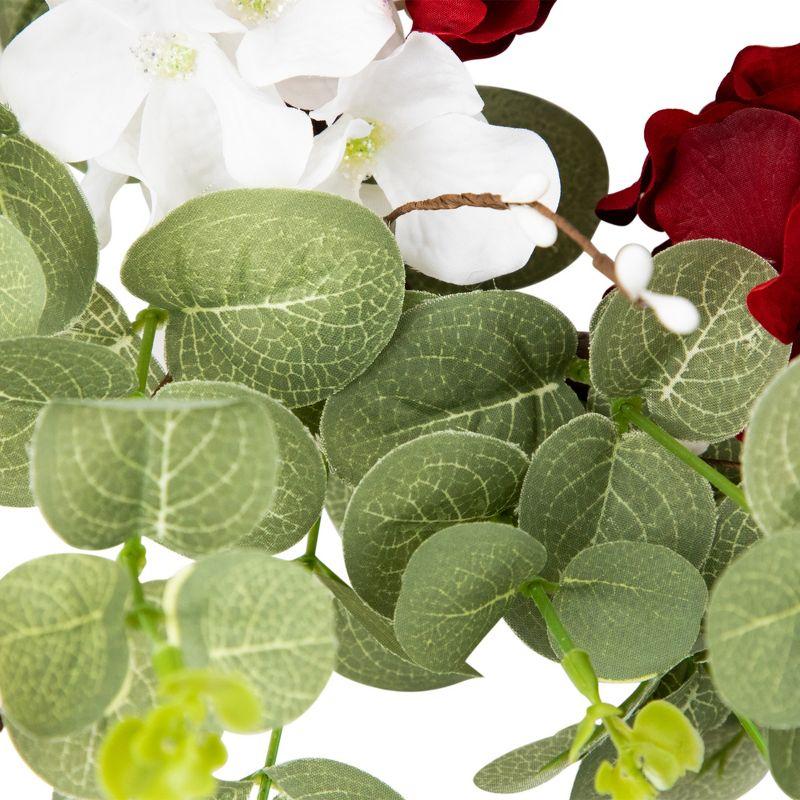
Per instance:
(478,28)
(732,172)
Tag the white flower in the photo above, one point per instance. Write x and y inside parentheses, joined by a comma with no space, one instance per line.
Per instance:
(634,270)
(303,46)
(143,87)
(410,122)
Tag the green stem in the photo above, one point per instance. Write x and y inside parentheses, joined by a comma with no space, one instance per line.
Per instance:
(751,729)
(311,542)
(132,557)
(536,592)
(149,319)
(715,478)
(272,759)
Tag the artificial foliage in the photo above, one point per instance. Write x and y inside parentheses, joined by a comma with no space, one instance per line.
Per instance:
(335,263)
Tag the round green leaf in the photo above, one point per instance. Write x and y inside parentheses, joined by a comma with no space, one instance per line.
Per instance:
(105,322)
(195,476)
(784,760)
(490,362)
(694,694)
(457,586)
(584,180)
(266,620)
(9,125)
(23,291)
(753,628)
(290,292)
(321,779)
(301,474)
(337,498)
(736,533)
(587,485)
(634,607)
(18,14)
(69,763)
(771,456)
(419,488)
(39,196)
(413,299)
(63,652)
(34,370)
(699,387)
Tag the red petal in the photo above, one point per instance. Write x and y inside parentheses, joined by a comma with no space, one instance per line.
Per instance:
(504,17)
(446,17)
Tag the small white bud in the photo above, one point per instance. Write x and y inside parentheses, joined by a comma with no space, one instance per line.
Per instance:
(542,231)
(676,314)
(633,269)
(532,187)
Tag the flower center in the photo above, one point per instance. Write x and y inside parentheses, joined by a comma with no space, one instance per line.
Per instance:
(258,10)
(358,153)
(165,55)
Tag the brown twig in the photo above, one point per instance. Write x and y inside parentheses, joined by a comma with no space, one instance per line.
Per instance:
(447,202)
(717,462)
(166,380)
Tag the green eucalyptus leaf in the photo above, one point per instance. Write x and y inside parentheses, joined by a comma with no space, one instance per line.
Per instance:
(105,322)
(732,767)
(266,620)
(696,697)
(290,292)
(771,457)
(444,478)
(726,457)
(337,498)
(195,476)
(40,197)
(413,299)
(63,652)
(489,362)
(369,652)
(634,607)
(301,474)
(736,533)
(701,386)
(34,370)
(69,763)
(16,15)
(9,125)
(584,180)
(587,485)
(784,760)
(23,291)
(322,779)
(752,629)
(457,586)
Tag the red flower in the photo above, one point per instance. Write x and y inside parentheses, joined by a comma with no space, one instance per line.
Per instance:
(732,172)
(478,28)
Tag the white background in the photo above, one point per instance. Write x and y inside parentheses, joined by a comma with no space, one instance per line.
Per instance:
(612,64)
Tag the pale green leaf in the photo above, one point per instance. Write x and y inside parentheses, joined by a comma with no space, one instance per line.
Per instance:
(195,476)
(584,180)
(753,627)
(40,197)
(694,695)
(457,586)
(301,475)
(489,362)
(290,292)
(587,485)
(732,767)
(634,607)
(412,299)
(63,653)
(321,779)
(9,125)
(233,790)
(419,488)
(34,370)
(23,290)
(771,457)
(784,760)
(267,620)
(69,763)
(16,15)
(699,387)
(736,533)
(105,322)
(337,498)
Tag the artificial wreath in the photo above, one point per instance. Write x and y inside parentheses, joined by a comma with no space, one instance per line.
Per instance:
(339,222)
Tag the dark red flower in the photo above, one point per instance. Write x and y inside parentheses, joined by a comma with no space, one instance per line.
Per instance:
(478,28)
(732,172)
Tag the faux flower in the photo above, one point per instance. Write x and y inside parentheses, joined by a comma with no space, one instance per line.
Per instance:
(144,88)
(732,172)
(478,28)
(410,122)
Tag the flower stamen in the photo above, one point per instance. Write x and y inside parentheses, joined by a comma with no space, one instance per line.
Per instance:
(360,151)
(165,55)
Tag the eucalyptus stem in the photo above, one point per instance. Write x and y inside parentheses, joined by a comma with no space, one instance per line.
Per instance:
(272,759)
(132,557)
(148,320)
(312,541)
(752,730)
(632,415)
(536,592)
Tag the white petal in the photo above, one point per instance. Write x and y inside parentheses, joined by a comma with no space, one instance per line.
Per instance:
(328,151)
(329,38)
(532,187)
(541,231)
(698,448)
(181,148)
(634,269)
(676,314)
(206,17)
(264,142)
(422,80)
(99,187)
(123,158)
(373,197)
(72,79)
(308,92)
